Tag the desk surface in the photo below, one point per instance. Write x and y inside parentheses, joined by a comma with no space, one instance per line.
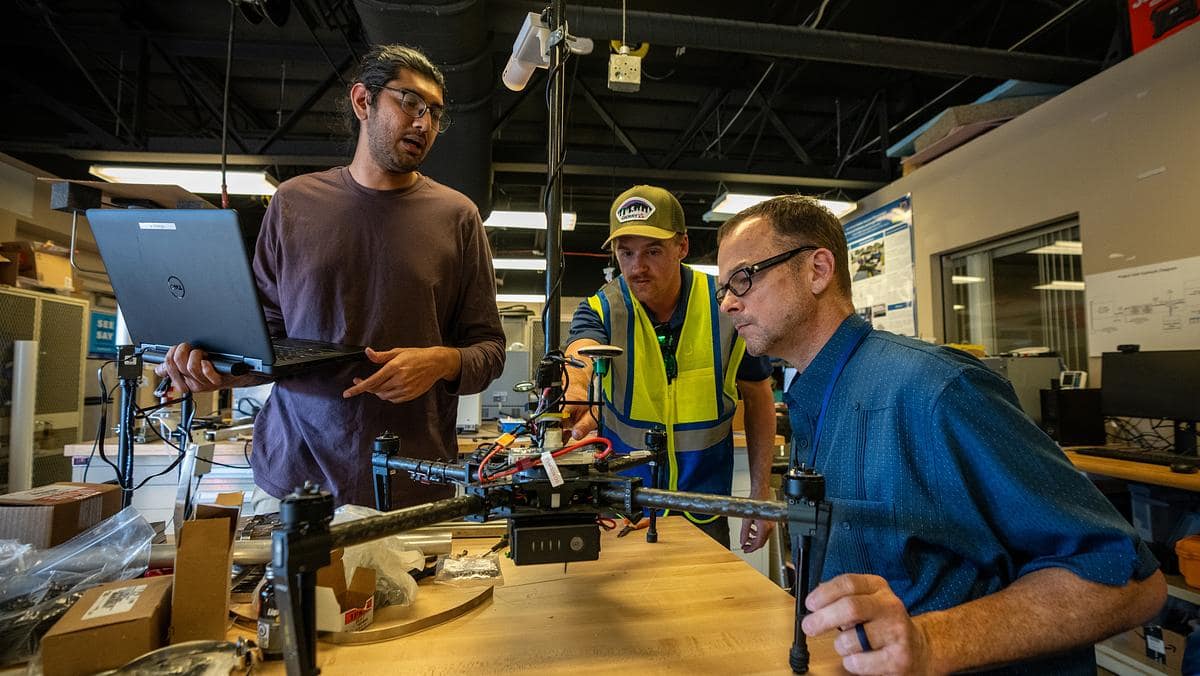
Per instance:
(1143,472)
(681,605)
(223,448)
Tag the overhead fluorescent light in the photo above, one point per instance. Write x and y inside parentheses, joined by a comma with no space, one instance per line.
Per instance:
(527,220)
(965,279)
(731,203)
(1060,285)
(706,269)
(200,181)
(1060,247)
(520,298)
(960,308)
(519,264)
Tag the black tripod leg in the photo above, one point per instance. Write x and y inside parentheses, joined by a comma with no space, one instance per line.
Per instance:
(297,600)
(798,657)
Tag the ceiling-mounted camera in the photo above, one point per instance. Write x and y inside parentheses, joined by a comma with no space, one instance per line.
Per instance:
(531,50)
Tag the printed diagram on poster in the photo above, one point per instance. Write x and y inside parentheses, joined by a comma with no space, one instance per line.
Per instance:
(1155,306)
(881,267)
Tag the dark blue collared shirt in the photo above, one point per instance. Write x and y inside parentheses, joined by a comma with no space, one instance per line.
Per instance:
(942,485)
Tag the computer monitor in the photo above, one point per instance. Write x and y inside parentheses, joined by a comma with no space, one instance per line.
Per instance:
(1154,385)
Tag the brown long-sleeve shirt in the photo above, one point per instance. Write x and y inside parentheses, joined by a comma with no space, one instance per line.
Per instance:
(402,268)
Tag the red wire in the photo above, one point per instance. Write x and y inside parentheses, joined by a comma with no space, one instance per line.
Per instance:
(495,449)
(521,466)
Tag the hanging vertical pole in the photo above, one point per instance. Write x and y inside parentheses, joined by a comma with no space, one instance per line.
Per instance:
(556,100)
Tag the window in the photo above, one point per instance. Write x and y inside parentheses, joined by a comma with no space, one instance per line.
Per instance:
(1024,291)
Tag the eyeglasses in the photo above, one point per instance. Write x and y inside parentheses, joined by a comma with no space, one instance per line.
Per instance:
(415,107)
(742,279)
(666,343)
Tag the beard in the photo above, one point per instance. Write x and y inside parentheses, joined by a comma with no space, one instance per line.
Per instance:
(382,144)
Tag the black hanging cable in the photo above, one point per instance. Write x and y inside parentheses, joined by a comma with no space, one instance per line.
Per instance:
(225,106)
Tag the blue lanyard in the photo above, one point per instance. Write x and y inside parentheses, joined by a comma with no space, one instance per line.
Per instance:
(833,379)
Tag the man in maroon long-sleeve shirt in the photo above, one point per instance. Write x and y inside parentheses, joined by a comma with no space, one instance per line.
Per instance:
(370,254)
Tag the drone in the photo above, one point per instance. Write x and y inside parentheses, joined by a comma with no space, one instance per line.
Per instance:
(553,496)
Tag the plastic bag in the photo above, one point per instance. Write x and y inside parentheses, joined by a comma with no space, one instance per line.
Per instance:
(469,570)
(14,557)
(35,590)
(390,557)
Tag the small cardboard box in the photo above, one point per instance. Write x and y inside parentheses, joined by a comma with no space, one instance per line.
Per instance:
(109,626)
(341,607)
(50,515)
(8,271)
(203,557)
(34,261)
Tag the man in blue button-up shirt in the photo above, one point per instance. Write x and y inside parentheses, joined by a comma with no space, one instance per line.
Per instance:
(961,535)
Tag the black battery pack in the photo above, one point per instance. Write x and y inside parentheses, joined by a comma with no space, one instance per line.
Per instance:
(555,539)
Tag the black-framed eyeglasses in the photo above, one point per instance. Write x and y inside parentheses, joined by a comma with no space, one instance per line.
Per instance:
(415,107)
(743,278)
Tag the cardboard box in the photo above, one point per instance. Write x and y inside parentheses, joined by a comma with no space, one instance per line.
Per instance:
(8,271)
(203,558)
(341,607)
(109,626)
(50,515)
(38,262)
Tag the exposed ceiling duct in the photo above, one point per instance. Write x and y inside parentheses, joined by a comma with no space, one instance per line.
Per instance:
(454,35)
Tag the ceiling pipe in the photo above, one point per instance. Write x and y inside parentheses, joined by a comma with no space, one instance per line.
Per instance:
(801,42)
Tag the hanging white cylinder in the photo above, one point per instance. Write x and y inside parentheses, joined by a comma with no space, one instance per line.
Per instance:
(24,400)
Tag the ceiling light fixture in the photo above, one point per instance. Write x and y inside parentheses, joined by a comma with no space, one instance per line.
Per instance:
(706,269)
(965,279)
(520,298)
(730,203)
(538,264)
(1061,285)
(199,181)
(527,220)
(1060,247)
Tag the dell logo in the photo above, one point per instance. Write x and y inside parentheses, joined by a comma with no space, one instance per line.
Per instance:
(175,285)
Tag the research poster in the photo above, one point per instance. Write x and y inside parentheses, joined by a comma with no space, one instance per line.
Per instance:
(1156,306)
(881,267)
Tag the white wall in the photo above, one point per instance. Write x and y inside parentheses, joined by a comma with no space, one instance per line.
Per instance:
(1082,152)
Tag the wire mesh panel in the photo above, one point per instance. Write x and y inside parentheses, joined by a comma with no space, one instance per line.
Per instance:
(60,357)
(58,323)
(16,323)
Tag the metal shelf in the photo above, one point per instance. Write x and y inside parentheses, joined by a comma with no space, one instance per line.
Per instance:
(1179,589)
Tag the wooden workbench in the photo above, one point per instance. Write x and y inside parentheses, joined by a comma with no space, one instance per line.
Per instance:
(1142,472)
(681,605)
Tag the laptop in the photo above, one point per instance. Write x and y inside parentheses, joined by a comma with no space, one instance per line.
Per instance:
(183,276)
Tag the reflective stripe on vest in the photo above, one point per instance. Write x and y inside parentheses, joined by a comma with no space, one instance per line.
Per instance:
(697,407)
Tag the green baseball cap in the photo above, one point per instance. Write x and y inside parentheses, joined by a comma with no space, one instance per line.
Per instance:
(646,211)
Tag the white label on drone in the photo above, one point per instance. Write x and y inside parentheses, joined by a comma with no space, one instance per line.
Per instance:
(552,472)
